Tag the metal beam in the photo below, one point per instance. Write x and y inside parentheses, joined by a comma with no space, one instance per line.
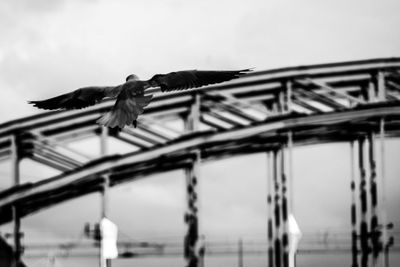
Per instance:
(303,103)
(209,138)
(224,118)
(382,188)
(277,210)
(58,145)
(46,161)
(233,101)
(336,92)
(191,253)
(319,98)
(380,84)
(15,173)
(141,136)
(353,208)
(155,123)
(364,244)
(270,195)
(374,235)
(284,206)
(52,154)
(153,132)
(231,109)
(208,120)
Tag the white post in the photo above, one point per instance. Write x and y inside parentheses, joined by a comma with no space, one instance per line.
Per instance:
(294,237)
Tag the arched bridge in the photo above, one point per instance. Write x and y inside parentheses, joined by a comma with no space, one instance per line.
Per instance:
(265,111)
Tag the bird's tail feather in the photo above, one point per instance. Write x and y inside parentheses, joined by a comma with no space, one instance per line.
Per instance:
(125,112)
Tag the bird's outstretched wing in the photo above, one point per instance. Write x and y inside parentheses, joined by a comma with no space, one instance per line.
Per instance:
(80,98)
(187,79)
(126,109)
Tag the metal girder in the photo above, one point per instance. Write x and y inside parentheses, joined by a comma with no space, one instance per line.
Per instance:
(231,109)
(238,104)
(223,118)
(334,91)
(142,136)
(311,95)
(204,140)
(176,103)
(303,103)
(213,122)
(60,146)
(222,104)
(46,149)
(338,102)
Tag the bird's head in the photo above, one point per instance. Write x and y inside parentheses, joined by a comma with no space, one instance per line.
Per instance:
(132,77)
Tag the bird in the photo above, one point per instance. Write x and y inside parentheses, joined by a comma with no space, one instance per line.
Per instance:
(130,95)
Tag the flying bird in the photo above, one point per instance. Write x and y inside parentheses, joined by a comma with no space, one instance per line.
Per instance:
(131,98)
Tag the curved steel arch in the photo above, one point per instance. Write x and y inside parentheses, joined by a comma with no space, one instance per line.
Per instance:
(268,135)
(259,106)
(339,102)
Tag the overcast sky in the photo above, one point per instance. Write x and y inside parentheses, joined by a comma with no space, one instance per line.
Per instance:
(49,47)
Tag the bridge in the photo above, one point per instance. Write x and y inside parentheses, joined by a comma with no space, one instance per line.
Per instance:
(269,112)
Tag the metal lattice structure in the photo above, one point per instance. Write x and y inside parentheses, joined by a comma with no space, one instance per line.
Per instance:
(265,111)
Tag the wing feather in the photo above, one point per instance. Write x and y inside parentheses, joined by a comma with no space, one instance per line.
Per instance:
(182,80)
(80,98)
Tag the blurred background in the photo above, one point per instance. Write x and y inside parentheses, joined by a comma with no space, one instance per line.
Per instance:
(49,47)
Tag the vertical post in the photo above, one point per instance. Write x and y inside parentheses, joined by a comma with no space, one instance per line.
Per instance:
(374,200)
(285,235)
(371,90)
(381,89)
(103,141)
(106,183)
(289,86)
(104,193)
(290,172)
(281,100)
(270,211)
(277,212)
(354,249)
(192,174)
(382,188)
(293,236)
(15,159)
(363,202)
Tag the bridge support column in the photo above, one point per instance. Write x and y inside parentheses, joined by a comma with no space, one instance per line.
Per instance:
(277,208)
(285,225)
(382,193)
(369,227)
(191,250)
(364,244)
(369,235)
(191,219)
(270,192)
(374,201)
(15,159)
(279,203)
(354,239)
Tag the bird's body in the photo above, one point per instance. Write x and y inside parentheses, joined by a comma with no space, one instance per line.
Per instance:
(131,98)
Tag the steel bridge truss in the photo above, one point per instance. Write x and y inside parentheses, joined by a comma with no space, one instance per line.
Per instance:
(265,111)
